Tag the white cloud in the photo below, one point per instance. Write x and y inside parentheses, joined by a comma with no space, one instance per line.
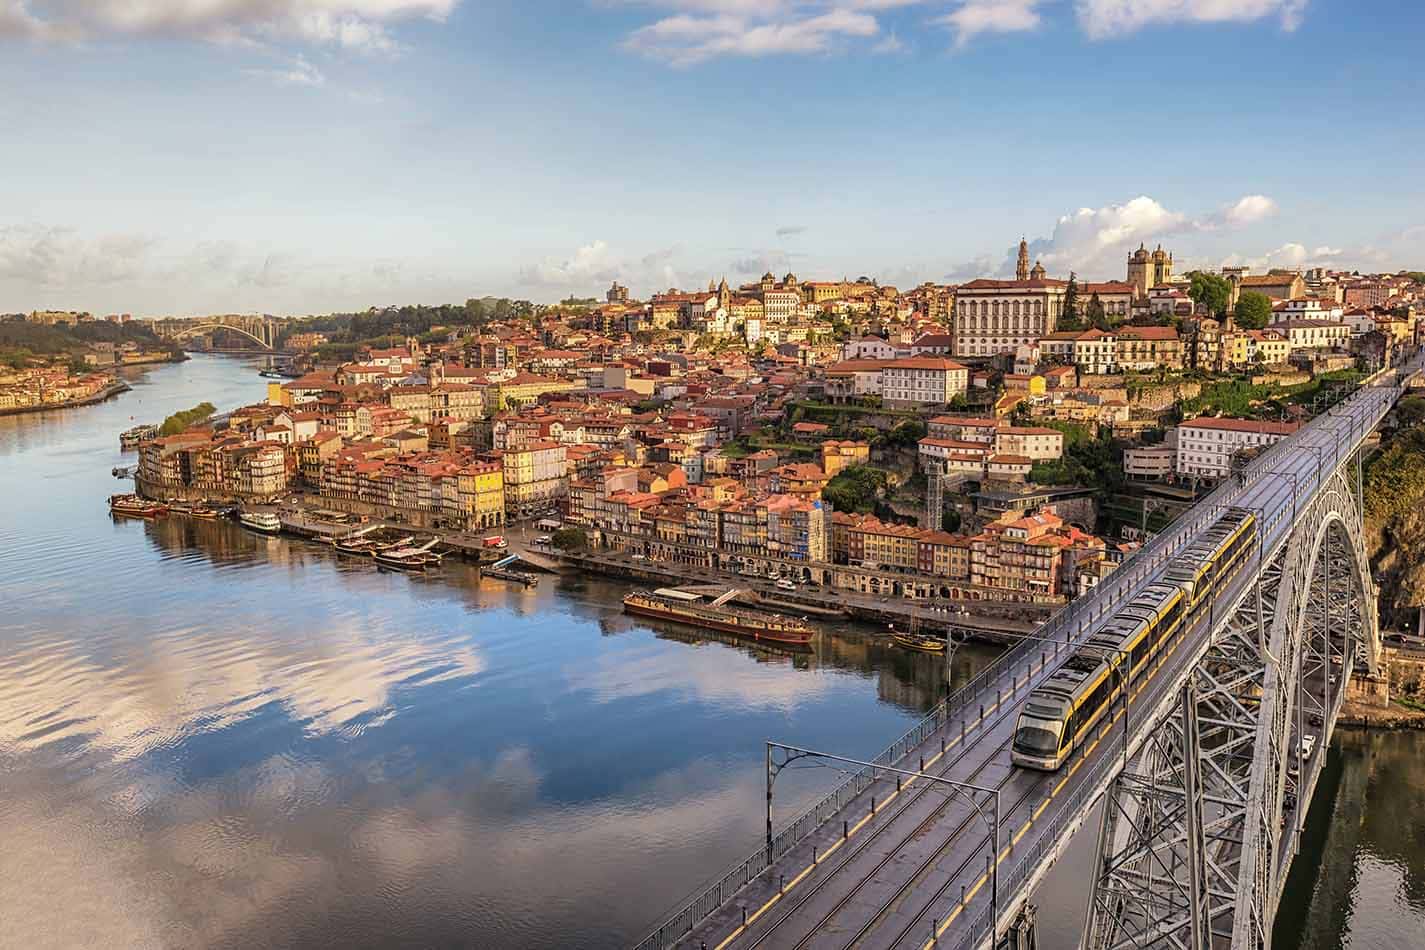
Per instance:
(1102,19)
(974,17)
(596,264)
(301,72)
(891,44)
(361,25)
(48,256)
(1249,209)
(761,262)
(738,28)
(1094,237)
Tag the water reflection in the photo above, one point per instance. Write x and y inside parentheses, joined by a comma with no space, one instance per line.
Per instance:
(211,737)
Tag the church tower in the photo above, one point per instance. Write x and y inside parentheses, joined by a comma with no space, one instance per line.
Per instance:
(1021,269)
(724,295)
(1037,273)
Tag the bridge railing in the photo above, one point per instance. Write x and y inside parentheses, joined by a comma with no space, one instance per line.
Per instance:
(1006,666)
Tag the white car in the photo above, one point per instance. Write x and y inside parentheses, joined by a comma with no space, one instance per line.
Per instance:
(543,539)
(1308,745)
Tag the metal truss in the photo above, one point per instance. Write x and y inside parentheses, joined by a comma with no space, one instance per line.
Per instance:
(1197,836)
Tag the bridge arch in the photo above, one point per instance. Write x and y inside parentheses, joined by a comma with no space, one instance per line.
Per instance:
(1198,834)
(192,331)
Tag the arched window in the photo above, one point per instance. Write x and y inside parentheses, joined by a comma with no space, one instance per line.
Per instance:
(1016,312)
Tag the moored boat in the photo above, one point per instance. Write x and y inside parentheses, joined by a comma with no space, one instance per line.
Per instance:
(788,631)
(130,438)
(203,511)
(409,558)
(264,521)
(135,507)
(919,642)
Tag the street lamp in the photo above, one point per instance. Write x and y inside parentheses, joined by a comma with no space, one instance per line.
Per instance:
(793,753)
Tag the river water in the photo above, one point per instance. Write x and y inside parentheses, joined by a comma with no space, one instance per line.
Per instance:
(210,738)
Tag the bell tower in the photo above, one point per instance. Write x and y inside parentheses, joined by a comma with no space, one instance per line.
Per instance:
(1021,269)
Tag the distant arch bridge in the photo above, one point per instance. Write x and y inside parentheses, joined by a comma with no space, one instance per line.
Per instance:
(260,330)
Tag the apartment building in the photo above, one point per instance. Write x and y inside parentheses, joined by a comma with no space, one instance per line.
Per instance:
(1206,446)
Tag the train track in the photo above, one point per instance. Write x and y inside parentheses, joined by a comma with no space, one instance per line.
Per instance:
(861,849)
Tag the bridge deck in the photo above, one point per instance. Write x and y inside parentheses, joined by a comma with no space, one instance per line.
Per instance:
(888,869)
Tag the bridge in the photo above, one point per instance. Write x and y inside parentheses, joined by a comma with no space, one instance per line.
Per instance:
(1202,771)
(260,330)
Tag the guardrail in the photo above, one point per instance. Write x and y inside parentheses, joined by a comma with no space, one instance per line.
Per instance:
(1081,613)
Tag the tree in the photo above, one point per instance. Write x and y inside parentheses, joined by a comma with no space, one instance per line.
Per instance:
(1253,311)
(1212,292)
(1069,316)
(179,421)
(857,488)
(950,521)
(570,539)
(476,312)
(1097,317)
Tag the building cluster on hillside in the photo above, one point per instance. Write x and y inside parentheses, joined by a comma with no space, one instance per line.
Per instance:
(33,387)
(708,427)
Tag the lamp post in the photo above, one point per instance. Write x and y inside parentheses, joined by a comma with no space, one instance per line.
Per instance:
(792,753)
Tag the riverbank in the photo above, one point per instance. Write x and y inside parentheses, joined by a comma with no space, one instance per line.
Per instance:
(1393,716)
(108,392)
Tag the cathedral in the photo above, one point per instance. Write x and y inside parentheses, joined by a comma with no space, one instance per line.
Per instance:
(1146,271)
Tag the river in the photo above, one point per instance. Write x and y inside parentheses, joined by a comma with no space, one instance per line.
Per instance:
(210,738)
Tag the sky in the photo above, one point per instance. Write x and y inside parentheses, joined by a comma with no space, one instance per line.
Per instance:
(169,157)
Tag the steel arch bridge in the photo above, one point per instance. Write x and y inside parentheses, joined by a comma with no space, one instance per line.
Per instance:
(260,330)
(1203,779)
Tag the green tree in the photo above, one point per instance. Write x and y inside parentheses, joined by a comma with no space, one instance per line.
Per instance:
(857,488)
(950,521)
(570,539)
(1253,311)
(1212,292)
(476,311)
(1069,315)
(907,433)
(179,421)
(1097,317)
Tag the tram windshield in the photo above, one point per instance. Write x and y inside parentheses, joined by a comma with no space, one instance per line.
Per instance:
(1037,735)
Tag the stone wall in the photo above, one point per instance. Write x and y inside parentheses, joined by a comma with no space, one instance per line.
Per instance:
(1158,397)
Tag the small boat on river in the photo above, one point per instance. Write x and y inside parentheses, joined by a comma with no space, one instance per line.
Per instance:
(919,642)
(135,507)
(130,438)
(264,521)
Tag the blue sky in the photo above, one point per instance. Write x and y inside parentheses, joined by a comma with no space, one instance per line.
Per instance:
(297,156)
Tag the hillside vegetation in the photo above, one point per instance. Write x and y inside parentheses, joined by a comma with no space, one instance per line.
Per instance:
(1395,516)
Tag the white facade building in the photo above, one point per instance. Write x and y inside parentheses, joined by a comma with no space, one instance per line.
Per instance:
(1206,445)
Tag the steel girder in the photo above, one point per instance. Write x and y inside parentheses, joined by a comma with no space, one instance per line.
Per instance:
(1197,836)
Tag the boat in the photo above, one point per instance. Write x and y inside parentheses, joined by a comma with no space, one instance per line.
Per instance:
(272,374)
(919,642)
(359,546)
(408,558)
(686,609)
(130,438)
(507,574)
(203,511)
(264,521)
(135,507)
